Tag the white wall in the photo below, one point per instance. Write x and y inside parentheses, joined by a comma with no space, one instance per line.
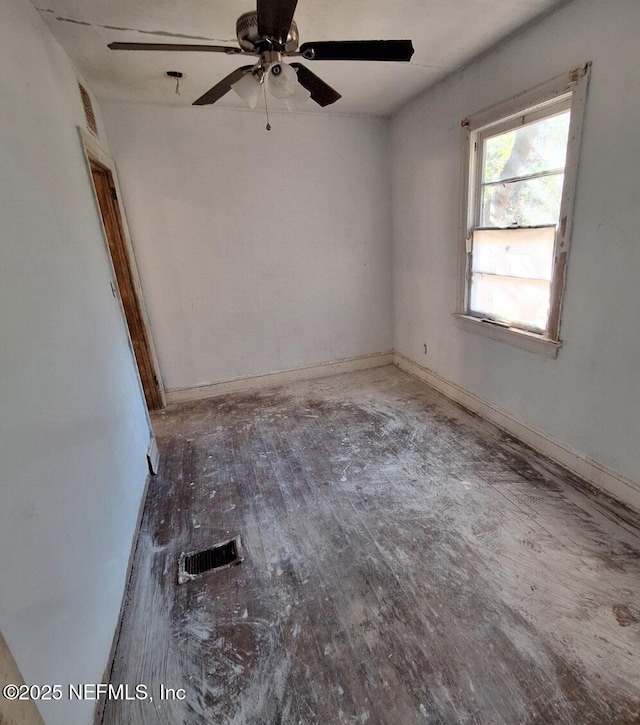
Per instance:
(258,251)
(73,430)
(589,397)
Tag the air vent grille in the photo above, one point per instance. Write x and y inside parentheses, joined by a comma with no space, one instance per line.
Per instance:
(88,110)
(220,556)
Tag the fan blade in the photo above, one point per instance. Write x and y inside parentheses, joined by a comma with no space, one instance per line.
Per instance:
(224,86)
(275,18)
(321,92)
(398,50)
(176,46)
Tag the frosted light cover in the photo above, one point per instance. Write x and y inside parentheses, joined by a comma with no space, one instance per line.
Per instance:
(248,88)
(282,80)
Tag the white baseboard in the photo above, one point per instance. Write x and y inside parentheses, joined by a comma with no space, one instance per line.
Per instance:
(599,476)
(324,370)
(153,456)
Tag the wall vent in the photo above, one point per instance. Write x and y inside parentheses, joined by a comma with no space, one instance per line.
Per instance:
(88,110)
(220,556)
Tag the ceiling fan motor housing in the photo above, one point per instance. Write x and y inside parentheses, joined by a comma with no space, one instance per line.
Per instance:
(249,37)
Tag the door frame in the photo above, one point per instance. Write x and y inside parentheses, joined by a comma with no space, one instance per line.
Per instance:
(96,156)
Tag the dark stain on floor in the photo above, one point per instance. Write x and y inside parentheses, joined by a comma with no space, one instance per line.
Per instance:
(625,616)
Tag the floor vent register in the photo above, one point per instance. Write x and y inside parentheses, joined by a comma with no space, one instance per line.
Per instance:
(221,556)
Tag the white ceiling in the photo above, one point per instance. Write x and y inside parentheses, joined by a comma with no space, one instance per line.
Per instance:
(445,33)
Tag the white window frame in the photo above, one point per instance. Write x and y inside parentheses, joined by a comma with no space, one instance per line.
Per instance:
(571,89)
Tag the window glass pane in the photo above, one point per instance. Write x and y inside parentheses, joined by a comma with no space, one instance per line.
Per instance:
(522,203)
(536,147)
(526,253)
(520,302)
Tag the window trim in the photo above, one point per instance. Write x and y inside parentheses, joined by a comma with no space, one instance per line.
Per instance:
(535,102)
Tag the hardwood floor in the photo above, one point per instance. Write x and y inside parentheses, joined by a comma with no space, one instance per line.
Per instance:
(405,563)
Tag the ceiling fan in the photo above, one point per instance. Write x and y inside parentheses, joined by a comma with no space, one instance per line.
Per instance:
(271,34)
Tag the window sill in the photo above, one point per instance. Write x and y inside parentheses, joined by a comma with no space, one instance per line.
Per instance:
(509,335)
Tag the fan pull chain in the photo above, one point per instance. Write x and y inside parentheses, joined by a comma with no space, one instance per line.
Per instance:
(177,85)
(266,106)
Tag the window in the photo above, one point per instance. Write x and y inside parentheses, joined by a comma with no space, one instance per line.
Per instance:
(520,165)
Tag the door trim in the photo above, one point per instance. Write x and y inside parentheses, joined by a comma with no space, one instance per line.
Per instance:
(95,155)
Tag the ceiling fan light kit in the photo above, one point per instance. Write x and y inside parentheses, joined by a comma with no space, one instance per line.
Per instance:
(271,34)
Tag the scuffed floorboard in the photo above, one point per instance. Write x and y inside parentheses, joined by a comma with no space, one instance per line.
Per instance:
(405,563)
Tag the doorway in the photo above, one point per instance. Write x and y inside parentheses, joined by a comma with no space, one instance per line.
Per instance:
(123,268)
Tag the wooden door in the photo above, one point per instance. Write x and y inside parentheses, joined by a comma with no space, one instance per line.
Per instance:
(107,200)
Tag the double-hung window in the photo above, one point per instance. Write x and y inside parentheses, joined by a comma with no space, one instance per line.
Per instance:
(521,164)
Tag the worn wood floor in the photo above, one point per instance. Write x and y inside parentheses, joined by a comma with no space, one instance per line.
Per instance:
(405,563)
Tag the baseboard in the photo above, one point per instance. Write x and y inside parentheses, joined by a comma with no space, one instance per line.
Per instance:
(600,477)
(235,385)
(153,456)
(98,712)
